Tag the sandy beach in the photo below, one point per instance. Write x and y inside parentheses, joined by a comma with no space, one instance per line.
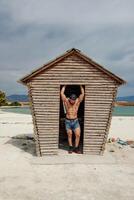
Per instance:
(24,176)
(12,124)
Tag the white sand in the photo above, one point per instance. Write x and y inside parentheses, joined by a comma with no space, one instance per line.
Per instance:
(23,176)
(122,127)
(12,124)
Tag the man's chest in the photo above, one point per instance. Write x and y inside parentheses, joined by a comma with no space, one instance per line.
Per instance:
(71,107)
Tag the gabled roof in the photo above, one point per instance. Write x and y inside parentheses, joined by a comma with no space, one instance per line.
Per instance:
(77,52)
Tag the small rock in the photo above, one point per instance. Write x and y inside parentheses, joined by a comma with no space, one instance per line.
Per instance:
(129,142)
(24,144)
(111,150)
(132,145)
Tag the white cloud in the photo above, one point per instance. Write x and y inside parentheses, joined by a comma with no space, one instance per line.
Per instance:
(32,32)
(70,12)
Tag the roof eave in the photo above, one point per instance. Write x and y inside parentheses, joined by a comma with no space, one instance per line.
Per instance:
(51,62)
(112,75)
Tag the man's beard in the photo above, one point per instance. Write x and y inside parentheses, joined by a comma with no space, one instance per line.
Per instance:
(72,102)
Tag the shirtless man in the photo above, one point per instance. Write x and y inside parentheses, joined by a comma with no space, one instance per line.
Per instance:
(71,121)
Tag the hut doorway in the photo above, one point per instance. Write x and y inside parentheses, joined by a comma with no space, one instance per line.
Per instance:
(63,139)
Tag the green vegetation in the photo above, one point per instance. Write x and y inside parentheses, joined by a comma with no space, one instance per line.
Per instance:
(15,103)
(4,102)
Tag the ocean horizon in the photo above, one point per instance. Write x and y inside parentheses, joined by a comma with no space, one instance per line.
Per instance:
(117,111)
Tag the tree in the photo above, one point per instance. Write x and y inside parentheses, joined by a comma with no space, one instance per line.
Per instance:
(15,103)
(3,100)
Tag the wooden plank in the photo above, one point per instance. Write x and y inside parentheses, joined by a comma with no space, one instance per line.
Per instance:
(47,138)
(99,100)
(91,114)
(48,144)
(41,120)
(97,104)
(92,153)
(94,133)
(48,122)
(93,139)
(47,95)
(90,138)
(50,125)
(98,87)
(93,82)
(43,136)
(48,150)
(96,120)
(45,111)
(93,109)
(48,147)
(46,106)
(89,150)
(97,126)
(100,97)
(58,77)
(49,129)
(92,129)
(70,81)
(45,153)
(38,150)
(109,121)
(75,70)
(42,107)
(44,94)
(94,144)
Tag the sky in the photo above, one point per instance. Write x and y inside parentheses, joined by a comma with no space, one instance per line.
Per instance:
(33,32)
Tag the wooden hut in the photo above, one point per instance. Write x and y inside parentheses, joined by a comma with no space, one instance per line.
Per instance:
(73,68)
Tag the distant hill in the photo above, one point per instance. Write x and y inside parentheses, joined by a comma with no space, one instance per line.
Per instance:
(126,98)
(17,97)
(24,98)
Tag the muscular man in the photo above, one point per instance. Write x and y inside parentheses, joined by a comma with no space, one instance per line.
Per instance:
(71,121)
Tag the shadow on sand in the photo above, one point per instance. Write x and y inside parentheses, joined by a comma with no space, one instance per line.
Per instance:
(24,142)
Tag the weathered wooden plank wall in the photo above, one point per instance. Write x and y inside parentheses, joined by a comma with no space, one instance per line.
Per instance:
(97,117)
(46,110)
(36,136)
(45,92)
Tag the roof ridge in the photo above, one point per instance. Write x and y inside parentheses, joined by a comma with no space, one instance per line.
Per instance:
(67,53)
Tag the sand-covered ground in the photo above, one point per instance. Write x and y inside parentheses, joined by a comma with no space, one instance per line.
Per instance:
(24,176)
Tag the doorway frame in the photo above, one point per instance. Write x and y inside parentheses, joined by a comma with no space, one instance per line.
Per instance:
(83,128)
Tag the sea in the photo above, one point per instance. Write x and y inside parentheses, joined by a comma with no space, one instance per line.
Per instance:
(118,111)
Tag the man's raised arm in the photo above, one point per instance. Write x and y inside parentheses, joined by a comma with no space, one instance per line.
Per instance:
(63,96)
(81,97)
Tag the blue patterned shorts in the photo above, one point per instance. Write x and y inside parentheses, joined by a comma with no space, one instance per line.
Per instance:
(71,124)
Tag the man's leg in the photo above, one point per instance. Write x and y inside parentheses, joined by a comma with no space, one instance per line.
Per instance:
(69,133)
(77,136)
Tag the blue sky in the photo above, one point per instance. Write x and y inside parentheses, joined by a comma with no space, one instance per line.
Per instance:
(33,32)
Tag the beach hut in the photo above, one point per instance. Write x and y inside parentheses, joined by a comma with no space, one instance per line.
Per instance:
(72,69)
